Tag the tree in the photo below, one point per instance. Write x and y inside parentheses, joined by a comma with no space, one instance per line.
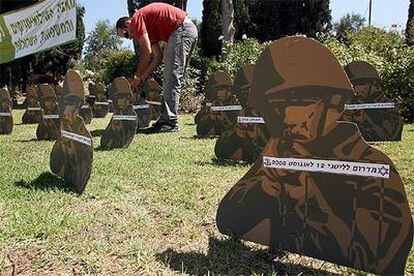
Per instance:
(350,22)
(409,31)
(274,19)
(211,28)
(102,39)
(242,20)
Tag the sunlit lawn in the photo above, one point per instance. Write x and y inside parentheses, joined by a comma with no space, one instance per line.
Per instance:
(147,209)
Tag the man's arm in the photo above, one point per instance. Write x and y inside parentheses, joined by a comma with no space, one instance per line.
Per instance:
(156,61)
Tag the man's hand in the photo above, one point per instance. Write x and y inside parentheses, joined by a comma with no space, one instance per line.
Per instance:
(136,83)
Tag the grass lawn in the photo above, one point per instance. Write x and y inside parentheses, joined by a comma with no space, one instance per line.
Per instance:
(148,209)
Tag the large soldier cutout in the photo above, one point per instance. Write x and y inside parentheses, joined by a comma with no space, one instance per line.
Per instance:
(222,107)
(376,116)
(318,189)
(100,107)
(122,127)
(33,113)
(49,127)
(245,140)
(72,154)
(6,117)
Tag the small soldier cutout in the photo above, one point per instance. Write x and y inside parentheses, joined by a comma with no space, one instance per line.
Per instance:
(122,128)
(318,189)
(86,113)
(49,127)
(91,98)
(214,119)
(141,107)
(100,107)
(111,106)
(247,137)
(33,113)
(6,118)
(377,116)
(72,154)
(153,97)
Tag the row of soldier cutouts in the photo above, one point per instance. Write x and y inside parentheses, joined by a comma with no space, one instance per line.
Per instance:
(316,187)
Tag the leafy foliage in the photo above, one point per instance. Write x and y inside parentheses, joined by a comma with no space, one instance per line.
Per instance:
(389,54)
(102,39)
(350,22)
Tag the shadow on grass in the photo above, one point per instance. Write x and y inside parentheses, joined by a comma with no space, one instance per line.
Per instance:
(231,257)
(97,132)
(47,182)
(223,163)
(27,141)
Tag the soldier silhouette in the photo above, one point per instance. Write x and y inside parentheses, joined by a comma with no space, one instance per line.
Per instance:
(153,97)
(376,116)
(49,127)
(213,119)
(318,189)
(100,107)
(122,127)
(247,137)
(6,116)
(33,113)
(72,154)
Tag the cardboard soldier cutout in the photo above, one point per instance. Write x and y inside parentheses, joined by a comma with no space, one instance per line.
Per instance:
(86,113)
(49,127)
(247,137)
(153,96)
(377,116)
(100,107)
(214,119)
(122,127)
(91,98)
(6,117)
(72,154)
(111,106)
(318,189)
(141,107)
(33,113)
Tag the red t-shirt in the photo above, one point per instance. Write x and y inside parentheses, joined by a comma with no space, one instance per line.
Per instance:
(159,20)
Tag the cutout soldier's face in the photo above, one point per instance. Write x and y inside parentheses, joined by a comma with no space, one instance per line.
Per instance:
(365,90)
(4,104)
(49,104)
(69,112)
(302,121)
(122,103)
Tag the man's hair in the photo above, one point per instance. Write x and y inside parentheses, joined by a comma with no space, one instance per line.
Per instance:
(121,22)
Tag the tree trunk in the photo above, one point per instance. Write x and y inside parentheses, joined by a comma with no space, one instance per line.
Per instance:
(227,9)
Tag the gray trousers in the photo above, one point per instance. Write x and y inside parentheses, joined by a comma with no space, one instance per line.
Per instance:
(176,56)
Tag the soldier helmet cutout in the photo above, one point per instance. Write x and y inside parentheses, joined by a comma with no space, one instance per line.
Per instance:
(49,127)
(318,189)
(153,96)
(247,137)
(33,113)
(6,116)
(141,107)
(376,115)
(218,116)
(122,127)
(72,154)
(100,107)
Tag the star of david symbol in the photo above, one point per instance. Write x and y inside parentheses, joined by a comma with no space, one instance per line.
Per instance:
(384,171)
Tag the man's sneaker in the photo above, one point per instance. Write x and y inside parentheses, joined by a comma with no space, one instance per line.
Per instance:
(162,128)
